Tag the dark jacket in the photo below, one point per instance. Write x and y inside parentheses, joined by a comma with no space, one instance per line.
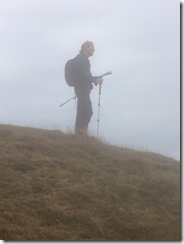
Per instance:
(84,78)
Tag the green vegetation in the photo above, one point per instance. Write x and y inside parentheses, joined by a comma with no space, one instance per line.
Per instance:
(57,186)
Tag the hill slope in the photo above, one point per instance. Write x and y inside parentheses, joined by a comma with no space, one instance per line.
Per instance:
(55,186)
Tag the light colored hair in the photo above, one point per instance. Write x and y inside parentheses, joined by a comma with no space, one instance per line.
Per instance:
(85,45)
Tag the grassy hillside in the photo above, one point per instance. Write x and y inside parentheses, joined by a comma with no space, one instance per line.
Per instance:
(56,186)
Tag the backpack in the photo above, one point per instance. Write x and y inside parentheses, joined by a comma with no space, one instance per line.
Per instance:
(70,72)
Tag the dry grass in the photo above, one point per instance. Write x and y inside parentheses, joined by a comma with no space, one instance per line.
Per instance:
(57,186)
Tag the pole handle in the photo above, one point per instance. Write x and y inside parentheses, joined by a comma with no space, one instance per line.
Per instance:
(100,89)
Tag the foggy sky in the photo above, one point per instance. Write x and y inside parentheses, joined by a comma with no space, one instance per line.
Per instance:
(138,40)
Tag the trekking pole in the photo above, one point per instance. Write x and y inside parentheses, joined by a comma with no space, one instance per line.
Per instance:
(100,88)
(98,120)
(67,101)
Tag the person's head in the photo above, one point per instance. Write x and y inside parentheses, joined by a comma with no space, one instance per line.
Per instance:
(88,48)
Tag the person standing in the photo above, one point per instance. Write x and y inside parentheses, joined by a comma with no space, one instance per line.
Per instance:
(83,86)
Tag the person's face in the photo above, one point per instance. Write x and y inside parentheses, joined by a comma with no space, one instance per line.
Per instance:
(90,50)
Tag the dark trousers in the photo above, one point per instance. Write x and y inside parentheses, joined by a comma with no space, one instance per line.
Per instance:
(84,111)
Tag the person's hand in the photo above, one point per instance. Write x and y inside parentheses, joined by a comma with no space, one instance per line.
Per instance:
(99,81)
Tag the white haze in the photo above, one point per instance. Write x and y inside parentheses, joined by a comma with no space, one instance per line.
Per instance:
(138,40)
